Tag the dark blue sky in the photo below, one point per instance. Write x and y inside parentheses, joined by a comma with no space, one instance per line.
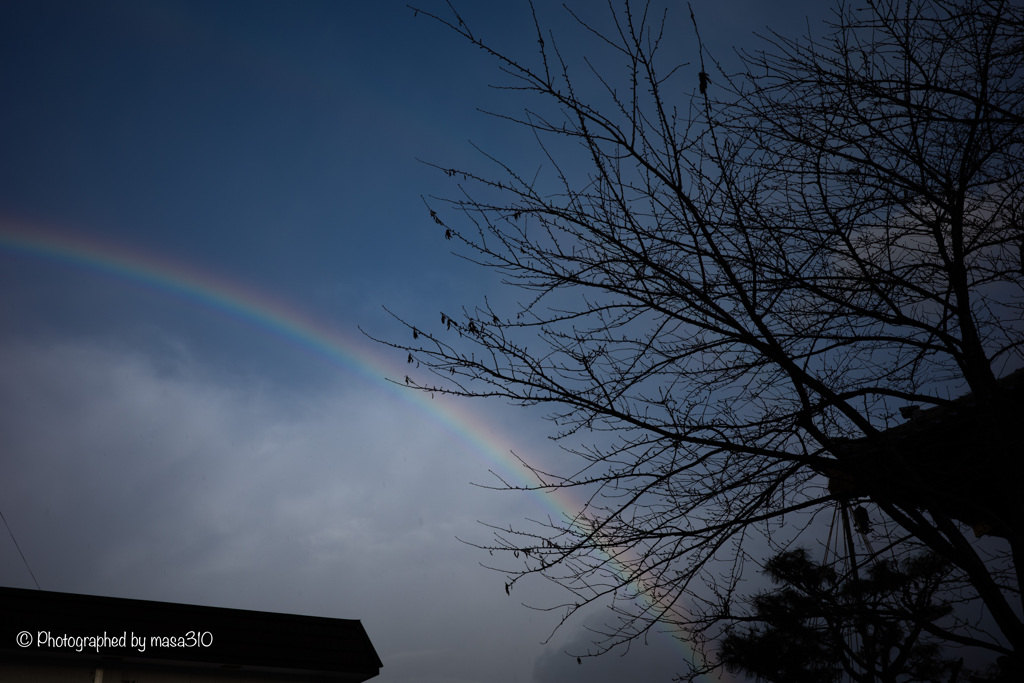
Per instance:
(157,447)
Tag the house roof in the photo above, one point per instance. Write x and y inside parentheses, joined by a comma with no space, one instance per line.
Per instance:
(958,458)
(301,647)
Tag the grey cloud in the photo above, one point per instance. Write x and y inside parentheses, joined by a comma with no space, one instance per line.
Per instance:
(150,476)
(127,475)
(659,659)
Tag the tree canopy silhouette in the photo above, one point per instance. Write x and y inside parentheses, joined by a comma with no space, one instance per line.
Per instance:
(736,284)
(817,628)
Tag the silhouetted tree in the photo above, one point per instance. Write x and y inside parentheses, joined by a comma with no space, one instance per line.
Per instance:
(817,627)
(736,282)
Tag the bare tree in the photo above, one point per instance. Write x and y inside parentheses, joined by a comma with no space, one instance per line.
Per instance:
(734,283)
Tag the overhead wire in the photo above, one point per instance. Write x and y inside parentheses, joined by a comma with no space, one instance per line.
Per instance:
(16,545)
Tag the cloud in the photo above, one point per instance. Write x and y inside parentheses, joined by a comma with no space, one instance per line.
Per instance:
(146,474)
(154,478)
(660,658)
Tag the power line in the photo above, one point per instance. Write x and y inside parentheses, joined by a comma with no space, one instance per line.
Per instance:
(19,550)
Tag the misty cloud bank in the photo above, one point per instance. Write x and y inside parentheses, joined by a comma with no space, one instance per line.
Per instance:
(155,477)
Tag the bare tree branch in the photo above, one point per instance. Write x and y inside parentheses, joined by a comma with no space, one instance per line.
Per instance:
(736,282)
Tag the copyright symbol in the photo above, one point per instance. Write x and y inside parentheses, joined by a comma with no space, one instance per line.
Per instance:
(24,639)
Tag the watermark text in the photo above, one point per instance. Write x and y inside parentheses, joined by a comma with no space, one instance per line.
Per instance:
(104,641)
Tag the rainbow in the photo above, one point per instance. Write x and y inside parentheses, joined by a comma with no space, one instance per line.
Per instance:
(283,320)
